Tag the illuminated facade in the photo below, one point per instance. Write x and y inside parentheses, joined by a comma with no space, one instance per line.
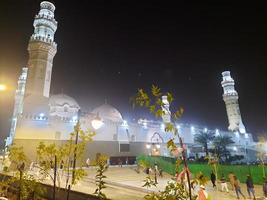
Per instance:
(51,118)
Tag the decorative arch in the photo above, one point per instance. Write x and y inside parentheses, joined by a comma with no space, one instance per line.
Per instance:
(156,138)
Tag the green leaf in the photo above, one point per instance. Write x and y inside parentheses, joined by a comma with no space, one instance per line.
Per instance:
(170,97)
(169,127)
(155,91)
(159,113)
(170,144)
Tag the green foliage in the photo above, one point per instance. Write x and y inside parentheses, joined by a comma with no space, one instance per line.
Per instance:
(153,102)
(149,182)
(203,138)
(143,163)
(201,179)
(155,105)
(29,186)
(46,154)
(169,127)
(168,165)
(172,191)
(162,164)
(178,114)
(220,145)
(100,183)
(16,155)
(171,145)
(156,91)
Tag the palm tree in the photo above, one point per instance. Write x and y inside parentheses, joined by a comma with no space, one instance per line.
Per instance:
(203,138)
(220,143)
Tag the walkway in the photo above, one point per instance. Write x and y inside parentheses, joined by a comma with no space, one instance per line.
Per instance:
(128,179)
(125,183)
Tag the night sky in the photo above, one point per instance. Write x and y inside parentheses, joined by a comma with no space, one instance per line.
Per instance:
(108,49)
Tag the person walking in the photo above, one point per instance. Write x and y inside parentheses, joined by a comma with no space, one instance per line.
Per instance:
(264,188)
(213,179)
(237,188)
(87,162)
(250,187)
(224,184)
(231,179)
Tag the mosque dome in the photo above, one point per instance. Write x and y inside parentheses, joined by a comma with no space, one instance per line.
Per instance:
(63,105)
(108,112)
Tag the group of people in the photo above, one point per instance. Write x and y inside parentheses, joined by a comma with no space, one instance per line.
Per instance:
(235,184)
(156,171)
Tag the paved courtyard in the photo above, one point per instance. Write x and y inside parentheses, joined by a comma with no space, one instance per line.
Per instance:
(126,179)
(125,183)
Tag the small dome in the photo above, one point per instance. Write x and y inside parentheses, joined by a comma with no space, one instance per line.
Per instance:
(63,106)
(61,100)
(107,111)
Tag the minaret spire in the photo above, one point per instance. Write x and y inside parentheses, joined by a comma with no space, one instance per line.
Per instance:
(18,105)
(230,97)
(42,50)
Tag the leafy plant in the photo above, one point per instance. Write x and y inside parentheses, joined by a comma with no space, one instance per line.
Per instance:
(153,102)
(100,183)
(27,185)
(149,182)
(201,179)
(172,191)
(60,157)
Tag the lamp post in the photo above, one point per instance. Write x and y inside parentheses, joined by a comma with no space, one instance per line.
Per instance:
(148,147)
(77,129)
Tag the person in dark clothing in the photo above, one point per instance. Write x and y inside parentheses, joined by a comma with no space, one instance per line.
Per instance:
(250,187)
(160,172)
(213,179)
(147,170)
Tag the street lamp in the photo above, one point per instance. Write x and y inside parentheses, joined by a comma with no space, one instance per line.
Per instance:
(97,122)
(148,147)
(3,87)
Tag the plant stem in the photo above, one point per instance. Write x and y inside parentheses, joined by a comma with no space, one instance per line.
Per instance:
(55,179)
(185,165)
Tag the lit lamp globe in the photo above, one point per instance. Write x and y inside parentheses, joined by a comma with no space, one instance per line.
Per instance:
(2,87)
(97,123)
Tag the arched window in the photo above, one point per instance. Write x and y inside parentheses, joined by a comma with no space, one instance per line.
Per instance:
(65,109)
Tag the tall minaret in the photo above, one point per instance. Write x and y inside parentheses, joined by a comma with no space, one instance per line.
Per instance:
(18,105)
(42,50)
(230,97)
(166,117)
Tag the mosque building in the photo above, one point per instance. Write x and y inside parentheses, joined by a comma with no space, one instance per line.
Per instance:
(39,116)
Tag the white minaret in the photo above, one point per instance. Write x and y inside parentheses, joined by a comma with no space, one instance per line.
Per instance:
(230,97)
(18,105)
(42,50)
(166,117)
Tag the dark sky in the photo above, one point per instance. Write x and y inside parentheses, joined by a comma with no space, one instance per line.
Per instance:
(108,49)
